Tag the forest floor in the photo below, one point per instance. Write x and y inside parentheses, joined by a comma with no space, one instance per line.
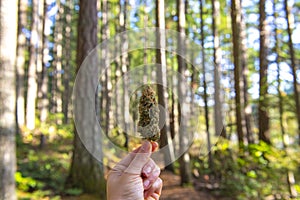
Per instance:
(42,174)
(173,191)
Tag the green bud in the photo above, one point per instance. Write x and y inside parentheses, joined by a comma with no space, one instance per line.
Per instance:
(148,115)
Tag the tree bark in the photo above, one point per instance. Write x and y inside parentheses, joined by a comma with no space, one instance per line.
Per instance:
(174,125)
(86,172)
(161,73)
(67,60)
(124,69)
(206,111)
(58,49)
(40,41)
(43,76)
(263,116)
(218,114)
(20,65)
(184,160)
(32,70)
(106,79)
(290,174)
(293,63)
(145,53)
(108,86)
(247,107)
(43,92)
(8,38)
(238,80)
(277,61)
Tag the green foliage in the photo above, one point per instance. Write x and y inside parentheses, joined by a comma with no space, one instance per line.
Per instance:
(42,171)
(256,172)
(117,136)
(38,195)
(27,183)
(54,130)
(73,191)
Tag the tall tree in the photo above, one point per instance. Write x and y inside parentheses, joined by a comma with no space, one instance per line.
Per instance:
(43,75)
(107,85)
(263,116)
(290,174)
(40,41)
(184,160)
(20,65)
(279,81)
(86,172)
(124,69)
(162,80)
(237,59)
(32,69)
(145,35)
(8,38)
(206,110)
(217,67)
(245,72)
(289,21)
(57,61)
(68,7)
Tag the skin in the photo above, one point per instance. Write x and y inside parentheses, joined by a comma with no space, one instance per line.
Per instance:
(136,176)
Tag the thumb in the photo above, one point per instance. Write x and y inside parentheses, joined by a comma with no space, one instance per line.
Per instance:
(141,157)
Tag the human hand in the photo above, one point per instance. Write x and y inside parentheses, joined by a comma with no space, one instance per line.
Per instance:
(136,177)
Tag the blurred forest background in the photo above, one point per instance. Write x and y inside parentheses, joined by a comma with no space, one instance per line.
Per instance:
(245,87)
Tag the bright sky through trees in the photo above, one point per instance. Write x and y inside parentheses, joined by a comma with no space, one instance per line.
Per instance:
(252,37)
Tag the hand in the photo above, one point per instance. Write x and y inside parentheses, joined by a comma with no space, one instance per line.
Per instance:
(136,177)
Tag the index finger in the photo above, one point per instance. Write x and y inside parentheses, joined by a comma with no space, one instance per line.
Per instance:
(128,159)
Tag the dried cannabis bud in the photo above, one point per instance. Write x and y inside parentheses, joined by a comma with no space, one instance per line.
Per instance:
(149,115)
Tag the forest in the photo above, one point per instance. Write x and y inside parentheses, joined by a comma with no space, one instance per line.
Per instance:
(225,76)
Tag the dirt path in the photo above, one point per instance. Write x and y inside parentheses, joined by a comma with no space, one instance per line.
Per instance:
(173,191)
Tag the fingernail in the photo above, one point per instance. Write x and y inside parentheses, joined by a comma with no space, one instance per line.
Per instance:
(145,147)
(146,183)
(156,173)
(154,146)
(148,170)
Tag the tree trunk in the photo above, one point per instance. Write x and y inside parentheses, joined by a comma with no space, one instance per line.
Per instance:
(247,107)
(172,113)
(108,85)
(174,125)
(8,38)
(145,54)
(263,116)
(161,73)
(218,114)
(184,160)
(86,172)
(58,49)
(106,91)
(237,59)
(290,174)
(118,87)
(67,60)
(20,65)
(40,42)
(43,77)
(277,61)
(293,63)
(124,69)
(32,75)
(203,58)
